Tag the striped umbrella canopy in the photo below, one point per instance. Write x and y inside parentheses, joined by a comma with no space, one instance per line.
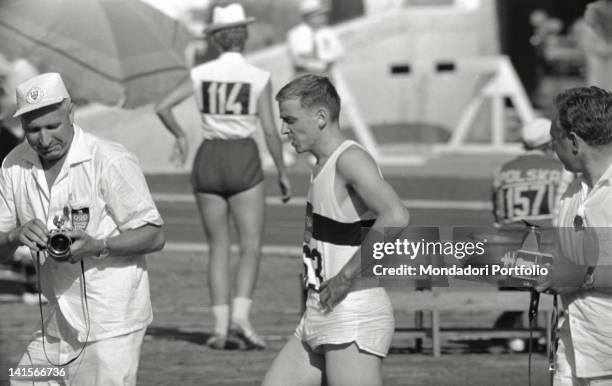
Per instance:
(115,52)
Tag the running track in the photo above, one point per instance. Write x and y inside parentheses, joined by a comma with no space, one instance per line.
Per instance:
(432,201)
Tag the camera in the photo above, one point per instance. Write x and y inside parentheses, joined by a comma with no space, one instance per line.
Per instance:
(58,242)
(524,267)
(58,245)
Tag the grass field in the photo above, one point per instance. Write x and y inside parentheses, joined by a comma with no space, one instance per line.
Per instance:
(174,354)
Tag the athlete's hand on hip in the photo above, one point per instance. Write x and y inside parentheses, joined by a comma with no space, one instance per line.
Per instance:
(180,152)
(333,291)
(285,187)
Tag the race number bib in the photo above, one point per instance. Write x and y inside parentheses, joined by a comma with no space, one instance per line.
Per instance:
(313,261)
(226,98)
(313,267)
(524,201)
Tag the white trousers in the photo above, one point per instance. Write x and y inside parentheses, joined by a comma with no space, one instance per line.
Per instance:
(108,362)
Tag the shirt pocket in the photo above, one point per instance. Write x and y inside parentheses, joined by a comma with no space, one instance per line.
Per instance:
(83,208)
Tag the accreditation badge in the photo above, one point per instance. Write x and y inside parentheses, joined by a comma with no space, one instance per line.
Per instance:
(80,218)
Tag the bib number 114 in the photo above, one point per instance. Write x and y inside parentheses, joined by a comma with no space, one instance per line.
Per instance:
(225,98)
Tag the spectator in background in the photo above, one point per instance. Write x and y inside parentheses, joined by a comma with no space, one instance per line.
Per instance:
(11,74)
(582,275)
(314,48)
(232,96)
(312,45)
(8,140)
(528,188)
(595,39)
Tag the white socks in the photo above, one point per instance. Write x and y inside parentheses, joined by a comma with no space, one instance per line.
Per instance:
(241,309)
(221,313)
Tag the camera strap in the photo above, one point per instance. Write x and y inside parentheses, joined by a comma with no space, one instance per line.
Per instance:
(551,350)
(534,303)
(42,321)
(552,347)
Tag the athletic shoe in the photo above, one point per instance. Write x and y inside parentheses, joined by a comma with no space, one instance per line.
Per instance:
(249,338)
(216,342)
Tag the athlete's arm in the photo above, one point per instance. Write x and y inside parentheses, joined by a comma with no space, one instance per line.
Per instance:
(360,173)
(163,109)
(272,138)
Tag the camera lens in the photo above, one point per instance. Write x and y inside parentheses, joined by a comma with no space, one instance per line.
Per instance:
(58,246)
(60,243)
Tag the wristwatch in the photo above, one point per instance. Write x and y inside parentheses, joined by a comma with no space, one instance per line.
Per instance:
(104,252)
(589,278)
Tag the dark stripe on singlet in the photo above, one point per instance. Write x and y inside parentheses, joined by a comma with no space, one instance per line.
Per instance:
(339,233)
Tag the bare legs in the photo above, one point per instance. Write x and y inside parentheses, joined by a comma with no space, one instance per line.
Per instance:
(247,209)
(337,365)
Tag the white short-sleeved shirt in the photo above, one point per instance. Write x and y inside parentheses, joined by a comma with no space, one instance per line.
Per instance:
(590,311)
(227,91)
(106,179)
(322,44)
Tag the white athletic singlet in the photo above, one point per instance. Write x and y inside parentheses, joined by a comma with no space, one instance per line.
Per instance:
(226,91)
(333,229)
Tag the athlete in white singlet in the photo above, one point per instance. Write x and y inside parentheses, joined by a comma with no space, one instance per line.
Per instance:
(348,324)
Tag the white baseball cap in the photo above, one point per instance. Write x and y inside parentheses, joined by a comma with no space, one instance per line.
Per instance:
(41,91)
(536,132)
(313,7)
(228,16)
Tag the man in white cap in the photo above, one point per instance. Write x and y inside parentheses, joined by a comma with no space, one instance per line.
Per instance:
(233,97)
(94,272)
(528,188)
(313,46)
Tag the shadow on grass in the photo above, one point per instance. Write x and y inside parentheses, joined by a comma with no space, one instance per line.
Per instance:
(195,337)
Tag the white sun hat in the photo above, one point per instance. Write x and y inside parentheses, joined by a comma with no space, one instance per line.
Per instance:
(231,15)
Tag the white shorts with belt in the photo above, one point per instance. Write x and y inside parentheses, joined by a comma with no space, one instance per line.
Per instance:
(364,317)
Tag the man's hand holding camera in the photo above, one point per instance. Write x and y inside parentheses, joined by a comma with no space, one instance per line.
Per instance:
(564,276)
(83,245)
(32,234)
(35,235)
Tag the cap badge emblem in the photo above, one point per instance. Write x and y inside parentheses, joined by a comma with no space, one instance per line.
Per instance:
(34,95)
